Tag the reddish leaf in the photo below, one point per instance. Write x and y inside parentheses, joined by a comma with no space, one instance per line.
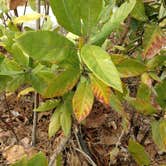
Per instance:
(154,41)
(100,90)
(83,100)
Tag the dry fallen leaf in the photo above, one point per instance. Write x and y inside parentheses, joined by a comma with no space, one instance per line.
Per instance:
(17,152)
(14,153)
(15,3)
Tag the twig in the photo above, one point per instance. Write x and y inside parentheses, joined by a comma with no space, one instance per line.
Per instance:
(119,140)
(24,13)
(145,136)
(88,158)
(10,128)
(36,98)
(34,129)
(82,146)
(59,149)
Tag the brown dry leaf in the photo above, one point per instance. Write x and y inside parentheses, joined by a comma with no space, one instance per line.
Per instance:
(73,160)
(14,153)
(15,3)
(108,138)
(17,152)
(4,134)
(95,120)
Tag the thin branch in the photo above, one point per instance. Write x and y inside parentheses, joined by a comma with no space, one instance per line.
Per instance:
(34,129)
(88,157)
(83,147)
(36,98)
(59,149)
(9,127)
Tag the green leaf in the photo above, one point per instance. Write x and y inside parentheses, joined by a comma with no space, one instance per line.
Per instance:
(100,90)
(78,17)
(113,24)
(138,152)
(159,133)
(143,103)
(4,6)
(130,67)
(99,62)
(49,84)
(161,95)
(144,92)
(16,82)
(3,82)
(47,46)
(142,106)
(65,119)
(47,106)
(21,58)
(139,11)
(38,159)
(115,103)
(154,40)
(156,61)
(54,124)
(83,100)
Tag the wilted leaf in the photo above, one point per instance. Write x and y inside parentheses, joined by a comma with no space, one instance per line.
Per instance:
(159,133)
(154,40)
(138,152)
(99,62)
(83,100)
(46,106)
(100,90)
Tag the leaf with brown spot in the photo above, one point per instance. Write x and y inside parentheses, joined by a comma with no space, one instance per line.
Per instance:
(100,90)
(154,41)
(83,100)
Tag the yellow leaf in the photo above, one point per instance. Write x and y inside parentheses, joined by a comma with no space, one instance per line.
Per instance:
(26,18)
(25,92)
